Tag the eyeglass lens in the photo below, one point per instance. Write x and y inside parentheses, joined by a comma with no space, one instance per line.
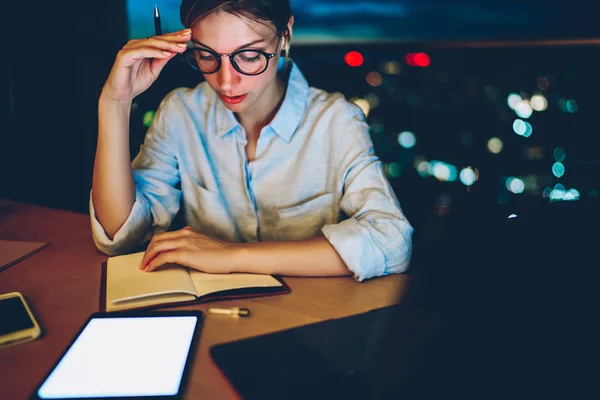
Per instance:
(248,61)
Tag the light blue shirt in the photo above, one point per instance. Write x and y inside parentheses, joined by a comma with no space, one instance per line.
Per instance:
(315,173)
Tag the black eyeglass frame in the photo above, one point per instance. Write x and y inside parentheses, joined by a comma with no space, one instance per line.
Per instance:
(231,56)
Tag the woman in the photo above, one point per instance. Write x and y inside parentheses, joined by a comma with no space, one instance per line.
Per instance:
(272,176)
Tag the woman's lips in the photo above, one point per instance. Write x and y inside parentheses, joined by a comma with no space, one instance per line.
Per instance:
(234,99)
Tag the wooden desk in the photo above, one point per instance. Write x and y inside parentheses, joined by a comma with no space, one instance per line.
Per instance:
(62,283)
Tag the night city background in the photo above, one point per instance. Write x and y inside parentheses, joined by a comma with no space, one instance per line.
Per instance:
(486,99)
(450,114)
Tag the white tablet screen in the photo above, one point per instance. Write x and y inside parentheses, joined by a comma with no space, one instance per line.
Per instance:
(122,357)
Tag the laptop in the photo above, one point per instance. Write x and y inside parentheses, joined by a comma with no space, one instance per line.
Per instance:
(501,303)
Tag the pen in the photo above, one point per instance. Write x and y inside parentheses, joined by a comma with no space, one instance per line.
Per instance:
(157,28)
(234,311)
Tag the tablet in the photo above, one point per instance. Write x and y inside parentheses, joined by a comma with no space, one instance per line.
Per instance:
(126,355)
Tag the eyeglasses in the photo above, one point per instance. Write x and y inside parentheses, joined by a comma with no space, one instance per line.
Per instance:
(246,62)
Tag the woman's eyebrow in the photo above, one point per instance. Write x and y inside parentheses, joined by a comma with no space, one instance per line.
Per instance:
(239,48)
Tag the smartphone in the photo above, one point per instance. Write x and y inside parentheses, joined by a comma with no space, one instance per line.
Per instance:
(17,323)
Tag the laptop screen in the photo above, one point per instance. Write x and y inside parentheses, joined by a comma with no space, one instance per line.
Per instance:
(499,304)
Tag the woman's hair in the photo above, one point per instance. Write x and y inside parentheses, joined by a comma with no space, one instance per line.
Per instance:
(277,12)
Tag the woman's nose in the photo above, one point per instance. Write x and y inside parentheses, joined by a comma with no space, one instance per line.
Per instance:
(228,77)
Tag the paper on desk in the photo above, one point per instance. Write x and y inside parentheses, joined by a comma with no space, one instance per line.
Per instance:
(11,252)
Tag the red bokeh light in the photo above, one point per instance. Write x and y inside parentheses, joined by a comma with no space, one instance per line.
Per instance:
(418,59)
(354,58)
(421,60)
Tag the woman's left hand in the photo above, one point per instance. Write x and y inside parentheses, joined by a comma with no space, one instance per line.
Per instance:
(191,249)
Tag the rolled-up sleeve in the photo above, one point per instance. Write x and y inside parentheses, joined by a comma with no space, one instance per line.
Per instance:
(376,239)
(156,175)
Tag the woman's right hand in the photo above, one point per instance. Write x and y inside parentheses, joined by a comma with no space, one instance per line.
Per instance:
(139,63)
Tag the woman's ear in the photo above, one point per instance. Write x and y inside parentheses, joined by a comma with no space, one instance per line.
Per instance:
(288,34)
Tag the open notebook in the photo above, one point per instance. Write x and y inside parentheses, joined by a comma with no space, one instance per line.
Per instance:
(125,287)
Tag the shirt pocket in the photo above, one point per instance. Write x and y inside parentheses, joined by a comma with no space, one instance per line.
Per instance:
(206,211)
(306,219)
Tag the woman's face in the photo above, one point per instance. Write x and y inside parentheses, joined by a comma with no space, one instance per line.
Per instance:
(225,33)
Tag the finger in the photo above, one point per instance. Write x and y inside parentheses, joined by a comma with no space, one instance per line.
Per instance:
(180,37)
(168,45)
(155,248)
(175,257)
(183,35)
(168,238)
(130,57)
(183,232)
(174,35)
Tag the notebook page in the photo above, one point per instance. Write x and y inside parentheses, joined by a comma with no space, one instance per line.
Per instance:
(125,282)
(212,283)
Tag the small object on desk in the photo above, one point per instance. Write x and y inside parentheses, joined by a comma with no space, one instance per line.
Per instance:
(18,323)
(234,311)
(157,28)
(11,252)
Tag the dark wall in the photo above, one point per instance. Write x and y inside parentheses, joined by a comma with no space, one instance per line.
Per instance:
(57,57)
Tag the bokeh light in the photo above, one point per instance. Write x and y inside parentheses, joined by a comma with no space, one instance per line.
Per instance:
(391,67)
(572,194)
(147,118)
(538,102)
(373,100)
(354,59)
(363,104)
(559,154)
(377,127)
(495,145)
(374,78)
(558,169)
(394,169)
(571,106)
(424,168)
(543,83)
(442,171)
(568,106)
(559,193)
(407,139)
(467,176)
(523,109)
(418,160)
(421,60)
(512,100)
(515,185)
(522,128)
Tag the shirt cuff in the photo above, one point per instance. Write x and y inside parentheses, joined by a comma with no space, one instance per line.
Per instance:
(129,235)
(355,246)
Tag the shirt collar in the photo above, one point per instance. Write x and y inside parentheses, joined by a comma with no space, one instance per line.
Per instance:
(225,120)
(292,108)
(288,116)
